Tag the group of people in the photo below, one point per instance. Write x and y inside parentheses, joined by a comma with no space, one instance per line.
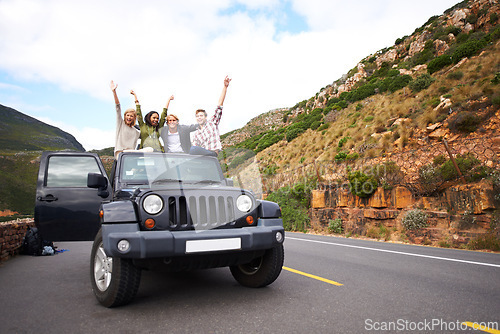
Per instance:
(176,137)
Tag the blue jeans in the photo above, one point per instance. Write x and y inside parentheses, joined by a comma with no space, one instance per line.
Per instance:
(196,150)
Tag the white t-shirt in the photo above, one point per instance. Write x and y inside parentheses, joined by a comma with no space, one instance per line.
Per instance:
(174,143)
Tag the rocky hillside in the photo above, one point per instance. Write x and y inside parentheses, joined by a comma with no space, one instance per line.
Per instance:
(441,82)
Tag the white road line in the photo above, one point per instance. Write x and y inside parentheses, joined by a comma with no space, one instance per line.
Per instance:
(395,252)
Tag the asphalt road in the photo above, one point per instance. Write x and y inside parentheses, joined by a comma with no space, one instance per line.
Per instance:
(328,285)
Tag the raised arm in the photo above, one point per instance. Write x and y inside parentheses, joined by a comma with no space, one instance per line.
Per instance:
(113,87)
(168,102)
(224,90)
(135,96)
(137,108)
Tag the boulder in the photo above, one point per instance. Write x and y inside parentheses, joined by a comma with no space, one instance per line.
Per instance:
(440,46)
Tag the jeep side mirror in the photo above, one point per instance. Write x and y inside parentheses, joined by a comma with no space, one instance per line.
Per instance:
(96,180)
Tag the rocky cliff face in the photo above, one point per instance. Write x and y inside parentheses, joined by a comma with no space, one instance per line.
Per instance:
(454,108)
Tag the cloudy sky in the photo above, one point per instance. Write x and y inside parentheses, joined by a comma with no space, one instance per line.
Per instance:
(58,56)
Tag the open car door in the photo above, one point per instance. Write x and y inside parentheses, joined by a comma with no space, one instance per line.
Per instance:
(65,208)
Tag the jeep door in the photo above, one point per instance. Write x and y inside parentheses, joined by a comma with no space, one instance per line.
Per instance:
(65,208)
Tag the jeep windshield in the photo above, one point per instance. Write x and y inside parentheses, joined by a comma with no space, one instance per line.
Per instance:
(158,169)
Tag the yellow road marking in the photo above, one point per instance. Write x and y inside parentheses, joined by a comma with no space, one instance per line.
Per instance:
(313,276)
(481,327)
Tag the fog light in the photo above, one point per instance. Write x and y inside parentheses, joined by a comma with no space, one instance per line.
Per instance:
(123,245)
(279,237)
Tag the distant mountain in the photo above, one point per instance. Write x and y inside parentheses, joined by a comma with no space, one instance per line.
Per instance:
(20,132)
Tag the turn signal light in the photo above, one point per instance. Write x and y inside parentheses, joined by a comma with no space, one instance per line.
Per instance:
(150,223)
(249,220)
(101,213)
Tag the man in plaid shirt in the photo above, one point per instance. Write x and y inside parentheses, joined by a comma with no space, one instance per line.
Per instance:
(206,139)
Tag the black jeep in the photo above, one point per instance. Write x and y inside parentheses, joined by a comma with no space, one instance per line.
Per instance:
(160,211)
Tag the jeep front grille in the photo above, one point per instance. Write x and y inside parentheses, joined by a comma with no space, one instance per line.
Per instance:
(199,212)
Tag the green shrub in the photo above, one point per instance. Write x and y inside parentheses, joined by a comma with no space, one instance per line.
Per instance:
(421,82)
(467,164)
(415,219)
(397,82)
(352,156)
(323,127)
(341,156)
(438,63)
(315,125)
(342,141)
(472,18)
(241,159)
(362,185)
(342,104)
(369,118)
(467,49)
(293,131)
(464,121)
(294,203)
(388,174)
(332,101)
(362,92)
(495,99)
(439,160)
(488,241)
(453,30)
(496,78)
(493,18)
(399,40)
(270,169)
(422,57)
(335,226)
(429,179)
(457,75)
(444,90)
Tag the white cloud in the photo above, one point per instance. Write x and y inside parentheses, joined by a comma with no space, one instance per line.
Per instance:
(90,138)
(160,48)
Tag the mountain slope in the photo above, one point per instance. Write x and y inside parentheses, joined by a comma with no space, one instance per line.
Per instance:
(443,81)
(22,138)
(20,132)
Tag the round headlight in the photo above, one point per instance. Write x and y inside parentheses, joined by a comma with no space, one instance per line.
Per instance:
(244,203)
(152,204)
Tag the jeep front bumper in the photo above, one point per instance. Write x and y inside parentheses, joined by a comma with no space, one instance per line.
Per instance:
(127,241)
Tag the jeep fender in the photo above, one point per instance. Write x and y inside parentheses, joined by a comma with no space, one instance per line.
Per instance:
(119,212)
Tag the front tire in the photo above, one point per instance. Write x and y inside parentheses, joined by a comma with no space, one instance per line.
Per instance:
(115,281)
(261,271)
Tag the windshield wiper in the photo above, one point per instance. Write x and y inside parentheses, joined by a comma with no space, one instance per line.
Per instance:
(207,182)
(166,181)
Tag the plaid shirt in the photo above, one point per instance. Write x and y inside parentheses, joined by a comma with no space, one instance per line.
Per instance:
(208,137)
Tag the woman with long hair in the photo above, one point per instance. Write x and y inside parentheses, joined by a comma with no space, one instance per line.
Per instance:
(126,133)
(151,125)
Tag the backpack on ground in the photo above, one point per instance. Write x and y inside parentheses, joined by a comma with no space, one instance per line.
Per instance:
(32,242)
(34,245)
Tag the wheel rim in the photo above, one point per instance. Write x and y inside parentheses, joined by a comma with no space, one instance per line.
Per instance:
(251,267)
(103,268)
